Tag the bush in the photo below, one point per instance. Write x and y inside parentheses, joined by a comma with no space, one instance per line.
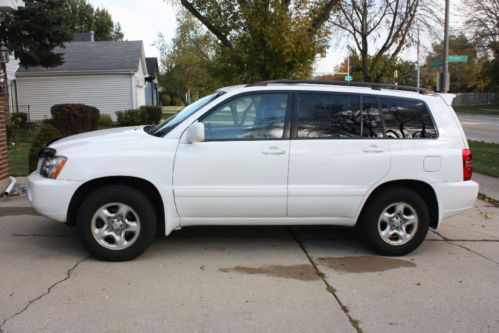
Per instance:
(151,114)
(72,119)
(147,114)
(166,99)
(105,120)
(177,101)
(19,119)
(129,117)
(45,134)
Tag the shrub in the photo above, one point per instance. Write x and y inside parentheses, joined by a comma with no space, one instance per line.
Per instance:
(72,119)
(19,119)
(46,133)
(151,114)
(129,117)
(177,101)
(166,99)
(105,120)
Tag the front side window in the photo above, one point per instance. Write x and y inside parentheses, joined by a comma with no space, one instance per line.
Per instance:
(407,119)
(328,116)
(249,117)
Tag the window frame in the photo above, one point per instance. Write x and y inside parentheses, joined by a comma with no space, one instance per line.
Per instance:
(294,120)
(287,115)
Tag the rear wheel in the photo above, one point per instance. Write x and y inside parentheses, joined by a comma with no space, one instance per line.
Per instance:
(116,223)
(395,222)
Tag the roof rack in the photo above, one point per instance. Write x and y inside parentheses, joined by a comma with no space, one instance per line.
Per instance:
(374,86)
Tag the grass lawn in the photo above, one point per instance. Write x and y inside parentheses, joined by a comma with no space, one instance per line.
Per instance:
(489,109)
(18,159)
(172,109)
(485,157)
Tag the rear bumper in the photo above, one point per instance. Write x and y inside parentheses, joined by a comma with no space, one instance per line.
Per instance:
(51,197)
(455,197)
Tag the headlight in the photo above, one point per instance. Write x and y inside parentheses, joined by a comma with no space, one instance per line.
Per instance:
(52,166)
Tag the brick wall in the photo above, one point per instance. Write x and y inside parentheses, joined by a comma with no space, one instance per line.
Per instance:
(4,162)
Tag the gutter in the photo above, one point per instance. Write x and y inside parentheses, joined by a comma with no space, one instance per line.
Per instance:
(88,72)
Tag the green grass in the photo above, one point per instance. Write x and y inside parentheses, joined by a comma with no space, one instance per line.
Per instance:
(18,159)
(489,109)
(485,157)
(173,109)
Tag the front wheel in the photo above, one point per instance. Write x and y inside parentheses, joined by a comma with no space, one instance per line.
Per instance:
(116,223)
(395,222)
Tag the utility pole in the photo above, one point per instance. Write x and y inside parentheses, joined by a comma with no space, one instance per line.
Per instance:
(444,76)
(418,79)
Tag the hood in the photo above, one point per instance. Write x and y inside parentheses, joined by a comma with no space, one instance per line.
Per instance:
(109,138)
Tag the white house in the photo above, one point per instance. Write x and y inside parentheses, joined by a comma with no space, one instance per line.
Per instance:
(109,75)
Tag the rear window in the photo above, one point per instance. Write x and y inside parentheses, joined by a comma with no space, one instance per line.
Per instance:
(407,119)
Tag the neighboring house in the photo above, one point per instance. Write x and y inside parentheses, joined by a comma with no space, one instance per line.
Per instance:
(109,75)
(152,82)
(11,68)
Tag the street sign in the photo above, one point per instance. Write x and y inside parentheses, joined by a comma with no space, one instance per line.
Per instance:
(348,78)
(453,58)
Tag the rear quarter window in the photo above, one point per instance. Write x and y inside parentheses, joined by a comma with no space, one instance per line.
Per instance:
(407,119)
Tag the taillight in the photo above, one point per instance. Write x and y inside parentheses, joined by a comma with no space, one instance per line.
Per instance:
(467,164)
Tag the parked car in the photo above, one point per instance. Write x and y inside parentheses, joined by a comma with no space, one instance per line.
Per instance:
(393,162)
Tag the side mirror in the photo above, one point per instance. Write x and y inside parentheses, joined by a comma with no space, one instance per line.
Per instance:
(195,133)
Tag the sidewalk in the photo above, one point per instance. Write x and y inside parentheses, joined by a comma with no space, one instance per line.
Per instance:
(488,185)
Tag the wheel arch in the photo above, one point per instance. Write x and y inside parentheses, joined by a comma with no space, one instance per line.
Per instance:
(146,187)
(424,189)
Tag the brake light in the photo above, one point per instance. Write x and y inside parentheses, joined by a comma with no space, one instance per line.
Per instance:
(467,164)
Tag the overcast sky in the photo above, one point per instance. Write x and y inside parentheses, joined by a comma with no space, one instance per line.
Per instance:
(145,19)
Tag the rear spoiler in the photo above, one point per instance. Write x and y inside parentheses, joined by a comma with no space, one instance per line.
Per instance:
(448,98)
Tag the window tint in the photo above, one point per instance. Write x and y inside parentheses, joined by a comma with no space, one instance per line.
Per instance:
(328,116)
(407,119)
(371,119)
(251,117)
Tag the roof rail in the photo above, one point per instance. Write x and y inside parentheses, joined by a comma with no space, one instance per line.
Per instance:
(374,86)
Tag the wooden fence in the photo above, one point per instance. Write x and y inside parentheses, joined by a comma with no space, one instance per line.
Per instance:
(478,98)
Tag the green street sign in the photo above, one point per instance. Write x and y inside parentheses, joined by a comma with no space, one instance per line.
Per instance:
(348,78)
(453,58)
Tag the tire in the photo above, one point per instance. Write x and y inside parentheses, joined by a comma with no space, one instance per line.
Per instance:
(391,214)
(116,223)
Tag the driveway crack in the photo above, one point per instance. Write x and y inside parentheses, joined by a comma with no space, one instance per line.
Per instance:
(354,322)
(49,290)
(451,241)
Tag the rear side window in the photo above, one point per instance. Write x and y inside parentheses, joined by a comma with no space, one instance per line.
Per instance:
(407,119)
(372,127)
(328,116)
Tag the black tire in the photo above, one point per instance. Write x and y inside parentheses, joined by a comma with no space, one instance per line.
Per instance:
(377,205)
(129,197)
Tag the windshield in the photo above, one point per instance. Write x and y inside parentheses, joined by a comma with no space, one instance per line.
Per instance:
(165,127)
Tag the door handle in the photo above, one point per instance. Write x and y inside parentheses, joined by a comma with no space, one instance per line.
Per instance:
(374,149)
(273,151)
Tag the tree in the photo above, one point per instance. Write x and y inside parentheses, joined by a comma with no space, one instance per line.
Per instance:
(33,31)
(265,39)
(380,29)
(465,77)
(188,59)
(84,18)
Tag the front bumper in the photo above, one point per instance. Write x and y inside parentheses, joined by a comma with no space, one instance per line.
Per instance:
(51,197)
(455,197)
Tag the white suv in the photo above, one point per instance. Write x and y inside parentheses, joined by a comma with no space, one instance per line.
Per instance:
(391,161)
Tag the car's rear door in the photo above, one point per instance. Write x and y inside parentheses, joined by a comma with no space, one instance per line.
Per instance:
(338,151)
(239,172)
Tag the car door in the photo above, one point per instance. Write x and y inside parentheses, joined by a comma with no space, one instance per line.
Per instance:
(240,170)
(338,152)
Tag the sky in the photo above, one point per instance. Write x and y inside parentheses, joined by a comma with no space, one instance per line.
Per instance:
(146,19)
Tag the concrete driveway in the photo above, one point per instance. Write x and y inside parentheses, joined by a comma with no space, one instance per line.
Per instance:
(250,280)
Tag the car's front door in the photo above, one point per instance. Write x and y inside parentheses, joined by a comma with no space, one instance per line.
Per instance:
(338,152)
(240,170)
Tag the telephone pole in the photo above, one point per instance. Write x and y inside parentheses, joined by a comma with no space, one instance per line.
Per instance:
(444,76)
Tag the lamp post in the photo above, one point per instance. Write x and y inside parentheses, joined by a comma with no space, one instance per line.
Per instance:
(444,76)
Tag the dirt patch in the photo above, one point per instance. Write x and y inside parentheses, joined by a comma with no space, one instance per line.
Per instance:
(297,272)
(12,211)
(364,264)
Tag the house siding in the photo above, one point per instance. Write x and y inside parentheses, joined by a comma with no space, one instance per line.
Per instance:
(139,86)
(109,93)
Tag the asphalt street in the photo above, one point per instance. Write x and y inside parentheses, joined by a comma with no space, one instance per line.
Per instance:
(305,279)
(480,127)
